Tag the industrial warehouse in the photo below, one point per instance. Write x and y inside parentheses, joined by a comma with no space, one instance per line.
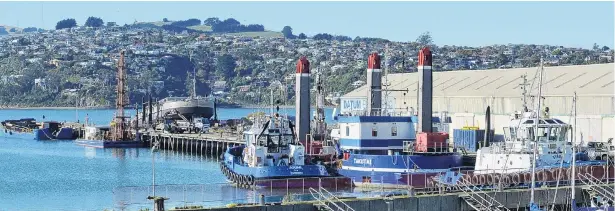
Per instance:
(464,95)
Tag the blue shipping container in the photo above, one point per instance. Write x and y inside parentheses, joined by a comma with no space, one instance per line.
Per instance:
(470,140)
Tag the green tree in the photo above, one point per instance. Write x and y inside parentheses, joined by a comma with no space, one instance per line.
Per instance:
(424,40)
(287,31)
(557,52)
(66,23)
(225,66)
(302,36)
(94,22)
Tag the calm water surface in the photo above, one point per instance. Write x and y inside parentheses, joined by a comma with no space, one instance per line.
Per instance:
(60,175)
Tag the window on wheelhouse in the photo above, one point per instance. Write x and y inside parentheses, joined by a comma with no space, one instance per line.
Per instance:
(273,143)
(513,133)
(347,130)
(394,130)
(374,130)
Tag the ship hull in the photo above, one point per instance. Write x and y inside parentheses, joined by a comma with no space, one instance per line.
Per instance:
(46,134)
(293,176)
(395,170)
(199,107)
(204,112)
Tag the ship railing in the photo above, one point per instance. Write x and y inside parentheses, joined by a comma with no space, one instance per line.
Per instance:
(326,198)
(486,202)
(597,185)
(430,148)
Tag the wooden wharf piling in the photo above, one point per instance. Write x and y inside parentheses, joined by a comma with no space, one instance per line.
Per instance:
(203,144)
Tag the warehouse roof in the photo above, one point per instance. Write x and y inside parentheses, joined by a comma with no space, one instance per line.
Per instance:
(596,79)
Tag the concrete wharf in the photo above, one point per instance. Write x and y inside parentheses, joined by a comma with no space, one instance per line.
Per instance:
(514,199)
(212,143)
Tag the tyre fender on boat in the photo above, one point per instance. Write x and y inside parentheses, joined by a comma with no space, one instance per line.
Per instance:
(598,172)
(490,179)
(482,179)
(475,179)
(497,178)
(585,170)
(515,179)
(539,176)
(506,180)
(251,180)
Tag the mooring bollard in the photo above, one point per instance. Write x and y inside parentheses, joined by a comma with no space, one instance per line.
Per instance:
(262,197)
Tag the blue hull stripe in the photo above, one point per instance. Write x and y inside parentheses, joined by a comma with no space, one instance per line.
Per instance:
(275,171)
(404,161)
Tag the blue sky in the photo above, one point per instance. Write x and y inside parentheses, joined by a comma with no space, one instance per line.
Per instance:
(571,24)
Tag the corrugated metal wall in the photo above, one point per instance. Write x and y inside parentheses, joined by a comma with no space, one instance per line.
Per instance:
(558,105)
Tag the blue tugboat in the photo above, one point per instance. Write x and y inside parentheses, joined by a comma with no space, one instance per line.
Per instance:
(382,148)
(272,157)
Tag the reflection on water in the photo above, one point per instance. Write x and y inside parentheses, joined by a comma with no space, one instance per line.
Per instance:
(90,152)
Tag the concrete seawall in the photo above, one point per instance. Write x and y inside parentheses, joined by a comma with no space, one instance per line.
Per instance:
(511,199)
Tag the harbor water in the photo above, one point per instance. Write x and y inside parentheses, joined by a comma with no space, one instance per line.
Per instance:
(60,175)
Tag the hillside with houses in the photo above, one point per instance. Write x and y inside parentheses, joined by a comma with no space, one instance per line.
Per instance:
(77,65)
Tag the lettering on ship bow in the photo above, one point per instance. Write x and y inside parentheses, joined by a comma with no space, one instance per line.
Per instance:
(363,161)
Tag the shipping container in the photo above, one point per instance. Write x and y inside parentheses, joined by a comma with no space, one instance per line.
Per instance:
(431,142)
(470,140)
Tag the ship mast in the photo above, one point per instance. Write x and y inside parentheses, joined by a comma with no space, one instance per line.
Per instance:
(535,147)
(386,80)
(574,155)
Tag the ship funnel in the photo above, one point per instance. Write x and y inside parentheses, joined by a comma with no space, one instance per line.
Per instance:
(374,83)
(302,96)
(426,91)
